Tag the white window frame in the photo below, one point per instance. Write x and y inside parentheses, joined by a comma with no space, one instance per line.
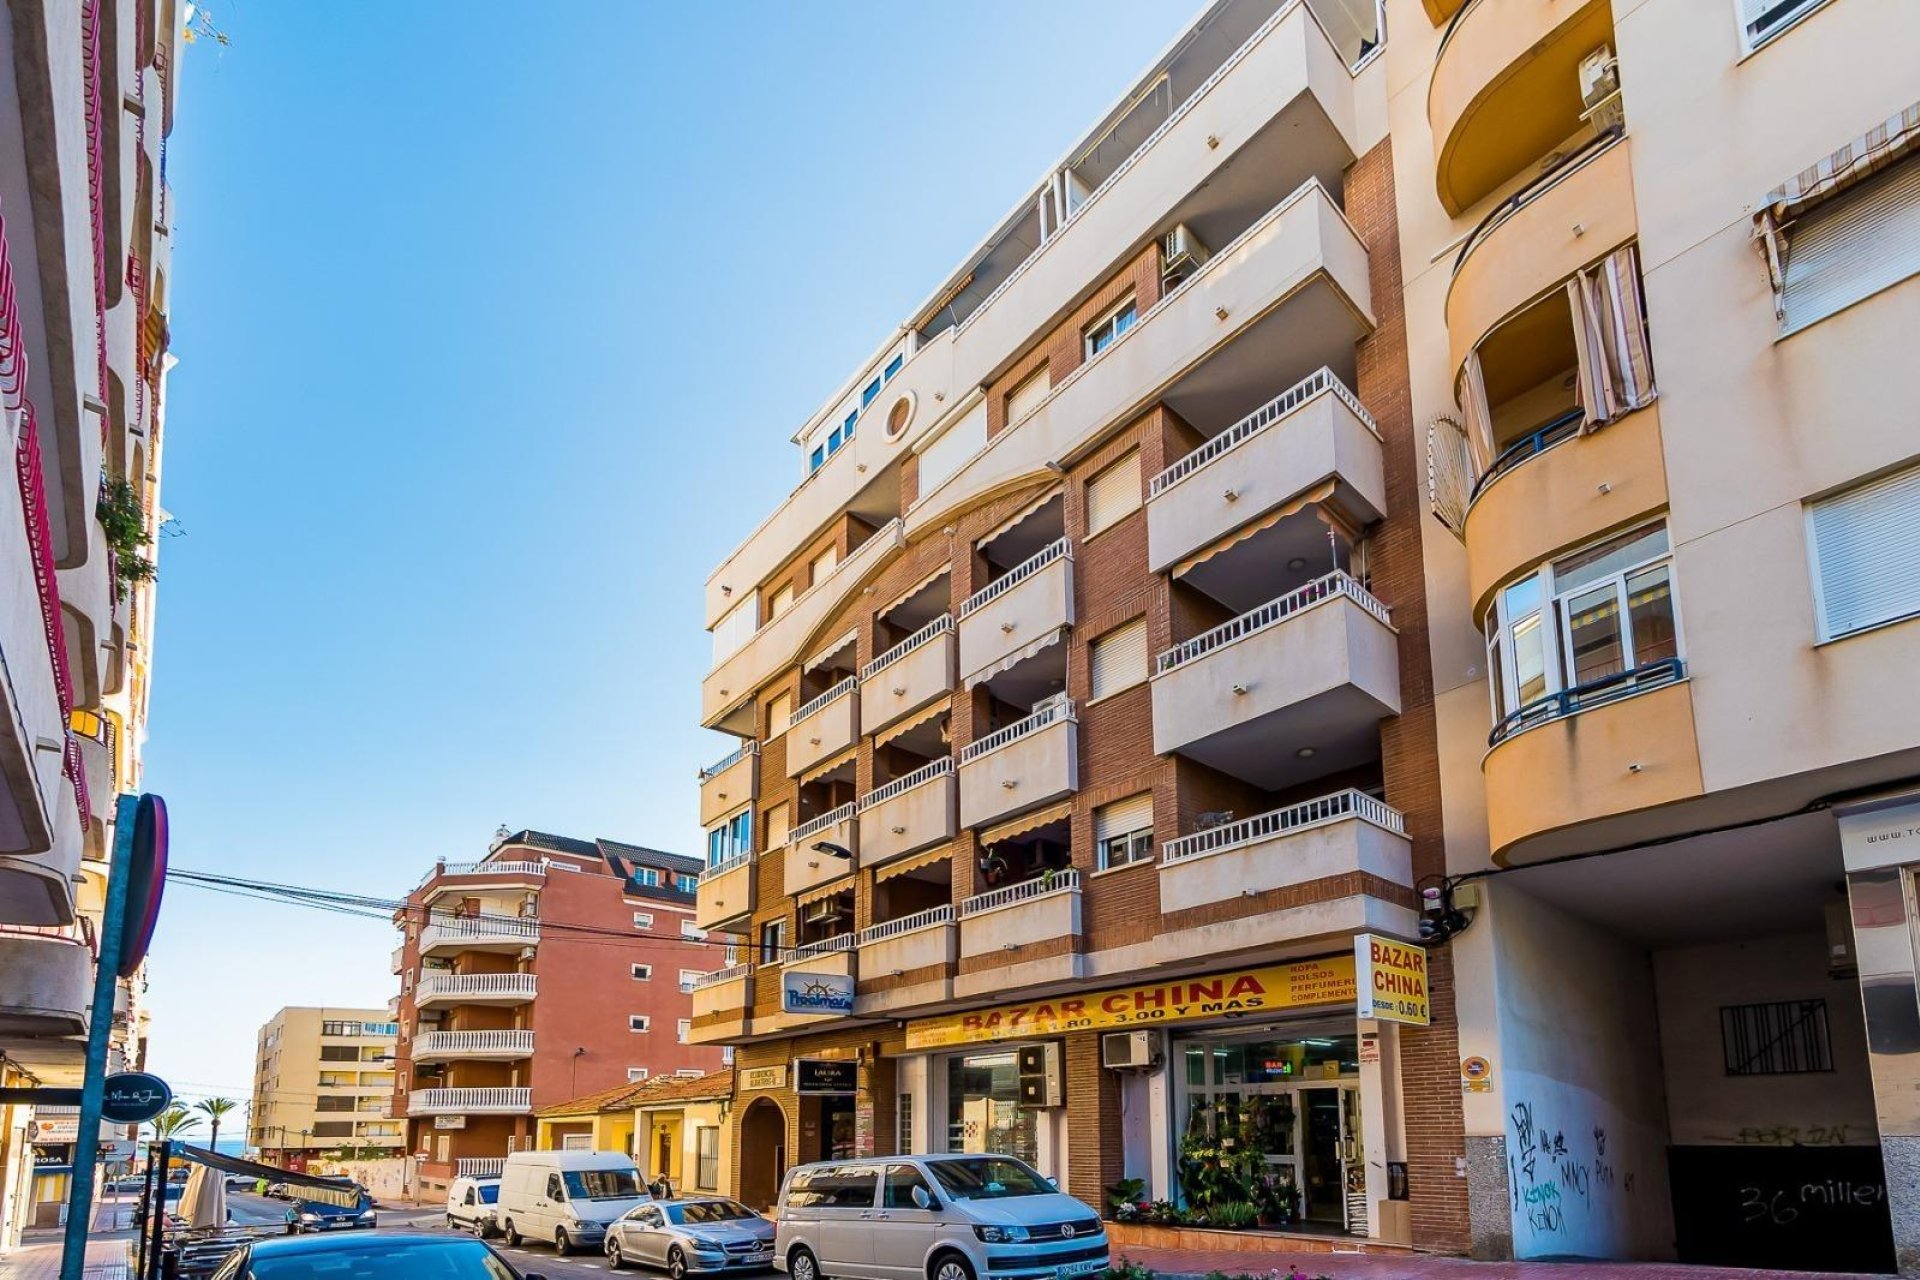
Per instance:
(692,932)
(639,1023)
(637,1075)
(647,877)
(1823,629)
(642,973)
(643,919)
(683,1033)
(1139,844)
(1108,318)
(1750,44)
(687,978)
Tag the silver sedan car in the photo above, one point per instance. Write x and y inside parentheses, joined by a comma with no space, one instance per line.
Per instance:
(692,1233)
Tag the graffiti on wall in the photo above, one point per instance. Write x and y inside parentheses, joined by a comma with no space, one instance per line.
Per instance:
(1552,1175)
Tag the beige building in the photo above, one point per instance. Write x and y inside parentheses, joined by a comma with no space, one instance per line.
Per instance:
(322,1085)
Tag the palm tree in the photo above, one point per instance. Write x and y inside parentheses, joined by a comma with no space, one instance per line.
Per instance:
(175,1122)
(214,1109)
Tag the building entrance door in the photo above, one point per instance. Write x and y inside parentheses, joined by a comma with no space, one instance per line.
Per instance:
(763,1153)
(836,1129)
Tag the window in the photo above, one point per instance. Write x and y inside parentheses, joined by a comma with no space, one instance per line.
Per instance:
(1595,622)
(1117,660)
(773,942)
(893,366)
(726,1055)
(728,840)
(636,1074)
(648,877)
(683,1030)
(1866,566)
(1113,494)
(779,714)
(1123,831)
(780,602)
(639,1022)
(897,1191)
(1851,246)
(1762,20)
(687,978)
(903,1123)
(692,931)
(643,973)
(1783,1038)
(1102,332)
(823,564)
(706,1158)
(833,1187)
(1025,398)
(340,1028)
(339,1053)
(868,395)
(817,458)
(735,629)
(776,827)
(643,919)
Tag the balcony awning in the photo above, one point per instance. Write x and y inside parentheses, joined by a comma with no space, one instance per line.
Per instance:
(1026,822)
(939,853)
(1013,521)
(828,650)
(828,765)
(1318,494)
(1015,658)
(931,712)
(840,884)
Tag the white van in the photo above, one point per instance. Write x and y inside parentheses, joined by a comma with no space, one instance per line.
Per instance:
(567,1197)
(948,1217)
(474,1203)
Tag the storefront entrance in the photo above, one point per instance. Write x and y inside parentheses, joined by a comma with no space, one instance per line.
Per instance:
(984,1111)
(836,1129)
(1272,1118)
(763,1152)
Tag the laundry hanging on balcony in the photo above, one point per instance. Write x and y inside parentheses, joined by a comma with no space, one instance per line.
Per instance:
(1615,374)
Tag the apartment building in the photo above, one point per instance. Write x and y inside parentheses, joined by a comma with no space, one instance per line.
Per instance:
(86,225)
(551,968)
(1657,264)
(322,1084)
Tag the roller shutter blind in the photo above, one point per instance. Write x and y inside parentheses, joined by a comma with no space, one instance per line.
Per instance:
(1866,554)
(1118,659)
(1135,813)
(1026,397)
(1114,493)
(1853,246)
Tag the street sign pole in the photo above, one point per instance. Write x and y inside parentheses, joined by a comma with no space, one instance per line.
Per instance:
(86,1147)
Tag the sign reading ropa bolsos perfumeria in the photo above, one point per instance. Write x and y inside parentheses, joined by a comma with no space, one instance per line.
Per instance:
(829,993)
(1392,980)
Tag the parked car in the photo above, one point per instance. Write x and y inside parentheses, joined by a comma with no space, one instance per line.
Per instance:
(693,1233)
(240,1182)
(371,1257)
(474,1203)
(568,1197)
(953,1217)
(305,1216)
(277,1191)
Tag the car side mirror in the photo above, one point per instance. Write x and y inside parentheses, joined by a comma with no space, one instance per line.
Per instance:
(921,1199)
(1054,1183)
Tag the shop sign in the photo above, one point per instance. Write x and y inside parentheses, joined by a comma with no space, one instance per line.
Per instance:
(1370,1050)
(1884,832)
(1392,980)
(752,1078)
(52,1155)
(46,1130)
(134,1097)
(830,993)
(449,1122)
(1269,989)
(825,1077)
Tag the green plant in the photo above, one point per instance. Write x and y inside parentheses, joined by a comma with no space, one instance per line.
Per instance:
(174,1123)
(215,1109)
(1234,1215)
(124,520)
(1126,1193)
(1124,1268)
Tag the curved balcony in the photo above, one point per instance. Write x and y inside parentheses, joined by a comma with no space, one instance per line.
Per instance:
(484,1101)
(722,1004)
(1555,489)
(824,727)
(1613,748)
(1506,90)
(46,981)
(438,990)
(1532,242)
(486,1046)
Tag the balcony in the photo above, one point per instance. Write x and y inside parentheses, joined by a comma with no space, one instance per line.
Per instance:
(398,960)
(824,727)
(489,1046)
(725,895)
(1017,613)
(1616,747)
(1028,763)
(1315,432)
(725,692)
(730,782)
(37,888)
(1286,692)
(1347,833)
(455,877)
(46,981)
(1506,90)
(441,990)
(722,1004)
(448,934)
(472,1102)
(1043,909)
(909,961)
(913,674)
(807,867)
(911,813)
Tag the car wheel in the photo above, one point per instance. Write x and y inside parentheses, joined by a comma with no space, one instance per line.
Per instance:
(453,1223)
(513,1237)
(561,1244)
(615,1258)
(802,1265)
(676,1263)
(950,1266)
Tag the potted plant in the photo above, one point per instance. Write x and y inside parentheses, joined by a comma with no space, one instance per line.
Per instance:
(1126,1199)
(1234,1215)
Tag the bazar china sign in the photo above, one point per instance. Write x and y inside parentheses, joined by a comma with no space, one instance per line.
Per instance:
(1283,986)
(1392,980)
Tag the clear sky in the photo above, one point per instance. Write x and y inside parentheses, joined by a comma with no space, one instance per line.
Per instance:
(493,323)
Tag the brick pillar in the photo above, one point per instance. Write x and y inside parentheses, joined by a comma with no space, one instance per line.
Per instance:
(1095,1157)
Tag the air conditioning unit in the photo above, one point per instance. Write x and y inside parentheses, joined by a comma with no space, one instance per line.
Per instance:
(824,911)
(1841,962)
(1600,90)
(1042,1083)
(1181,255)
(1127,1050)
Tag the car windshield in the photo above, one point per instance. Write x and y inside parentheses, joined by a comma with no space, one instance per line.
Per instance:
(489,1195)
(700,1211)
(988,1178)
(602,1184)
(397,1259)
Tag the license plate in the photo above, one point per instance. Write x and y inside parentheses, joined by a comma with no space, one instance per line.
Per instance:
(760,1259)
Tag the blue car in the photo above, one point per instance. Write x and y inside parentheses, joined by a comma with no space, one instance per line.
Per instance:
(305,1216)
(370,1257)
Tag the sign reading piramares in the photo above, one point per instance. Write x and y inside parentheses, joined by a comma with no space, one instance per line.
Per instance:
(1265,990)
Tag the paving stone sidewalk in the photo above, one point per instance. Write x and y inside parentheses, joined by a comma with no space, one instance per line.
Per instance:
(1170,1264)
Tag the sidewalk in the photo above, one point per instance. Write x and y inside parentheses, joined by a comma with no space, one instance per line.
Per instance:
(1170,1264)
(38,1257)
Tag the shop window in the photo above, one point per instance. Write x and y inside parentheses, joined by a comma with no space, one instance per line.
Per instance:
(903,1123)
(984,1109)
(1781,1038)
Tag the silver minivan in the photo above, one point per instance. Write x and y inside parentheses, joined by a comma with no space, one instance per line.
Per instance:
(944,1217)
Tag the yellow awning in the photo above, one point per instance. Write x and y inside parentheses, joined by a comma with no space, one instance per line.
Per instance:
(822,654)
(1026,822)
(1264,523)
(932,711)
(828,765)
(939,853)
(841,884)
(1013,659)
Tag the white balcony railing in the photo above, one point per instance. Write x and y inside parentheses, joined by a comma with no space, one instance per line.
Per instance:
(1027,890)
(1317,383)
(458,985)
(479,1166)
(1281,822)
(446,928)
(906,924)
(1274,612)
(484,868)
(476,1043)
(825,947)
(1058,709)
(732,973)
(941,768)
(1061,549)
(751,747)
(826,821)
(725,865)
(940,626)
(495,1101)
(831,696)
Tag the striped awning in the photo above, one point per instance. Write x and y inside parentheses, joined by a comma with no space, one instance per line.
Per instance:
(1318,494)
(1015,658)
(932,711)
(1890,140)
(1014,520)
(1026,822)
(828,765)
(830,649)
(939,853)
(841,884)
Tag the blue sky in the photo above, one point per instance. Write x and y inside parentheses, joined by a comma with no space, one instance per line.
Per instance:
(493,324)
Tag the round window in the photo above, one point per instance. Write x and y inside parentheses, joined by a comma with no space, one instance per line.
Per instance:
(899,416)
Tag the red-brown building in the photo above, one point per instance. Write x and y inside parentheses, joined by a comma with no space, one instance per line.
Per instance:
(551,968)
